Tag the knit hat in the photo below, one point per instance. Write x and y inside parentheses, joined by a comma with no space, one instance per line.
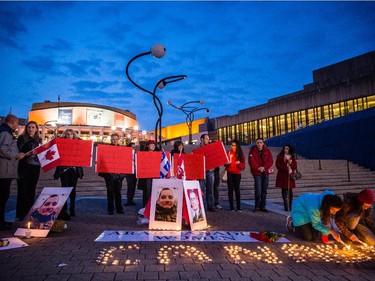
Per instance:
(366,196)
(151,142)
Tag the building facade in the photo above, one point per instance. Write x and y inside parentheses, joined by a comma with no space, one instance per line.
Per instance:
(90,121)
(336,90)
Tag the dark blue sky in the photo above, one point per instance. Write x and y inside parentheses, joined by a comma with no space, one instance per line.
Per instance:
(236,54)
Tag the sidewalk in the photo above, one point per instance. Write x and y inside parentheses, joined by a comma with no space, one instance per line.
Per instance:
(72,254)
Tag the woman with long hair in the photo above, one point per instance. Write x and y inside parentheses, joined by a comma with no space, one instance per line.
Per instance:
(286,164)
(69,177)
(311,215)
(28,169)
(234,168)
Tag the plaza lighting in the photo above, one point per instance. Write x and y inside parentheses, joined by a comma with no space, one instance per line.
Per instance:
(189,109)
(157,51)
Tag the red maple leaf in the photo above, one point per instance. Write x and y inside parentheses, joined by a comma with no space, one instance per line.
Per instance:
(49,155)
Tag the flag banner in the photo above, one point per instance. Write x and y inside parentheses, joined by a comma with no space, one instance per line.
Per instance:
(180,172)
(147,164)
(76,153)
(114,159)
(193,165)
(215,154)
(48,155)
(169,235)
(165,166)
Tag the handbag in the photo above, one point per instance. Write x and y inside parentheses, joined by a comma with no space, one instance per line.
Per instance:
(224,176)
(296,175)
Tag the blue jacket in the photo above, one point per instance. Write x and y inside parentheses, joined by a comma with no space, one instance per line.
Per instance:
(306,208)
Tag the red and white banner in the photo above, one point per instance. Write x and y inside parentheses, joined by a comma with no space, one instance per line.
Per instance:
(48,155)
(215,154)
(75,153)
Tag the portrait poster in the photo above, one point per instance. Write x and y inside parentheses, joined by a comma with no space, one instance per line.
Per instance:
(44,212)
(215,154)
(166,204)
(195,205)
(77,153)
(114,159)
(193,166)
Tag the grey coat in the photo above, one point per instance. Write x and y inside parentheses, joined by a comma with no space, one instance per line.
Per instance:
(8,154)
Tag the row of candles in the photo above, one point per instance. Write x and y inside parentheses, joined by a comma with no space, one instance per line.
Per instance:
(180,251)
(329,253)
(239,255)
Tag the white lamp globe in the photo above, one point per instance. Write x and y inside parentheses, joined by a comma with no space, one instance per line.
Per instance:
(158,51)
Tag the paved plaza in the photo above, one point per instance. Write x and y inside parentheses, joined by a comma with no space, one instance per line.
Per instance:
(73,254)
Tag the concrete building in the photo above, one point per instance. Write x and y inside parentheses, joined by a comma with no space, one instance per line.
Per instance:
(336,90)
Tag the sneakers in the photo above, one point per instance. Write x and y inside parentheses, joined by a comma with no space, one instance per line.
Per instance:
(218,207)
(289,224)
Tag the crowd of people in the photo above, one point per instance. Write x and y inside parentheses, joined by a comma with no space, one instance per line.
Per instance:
(313,216)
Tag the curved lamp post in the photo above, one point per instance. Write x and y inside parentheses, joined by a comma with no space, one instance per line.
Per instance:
(157,51)
(189,109)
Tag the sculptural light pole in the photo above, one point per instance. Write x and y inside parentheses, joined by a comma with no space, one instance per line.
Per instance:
(189,109)
(157,51)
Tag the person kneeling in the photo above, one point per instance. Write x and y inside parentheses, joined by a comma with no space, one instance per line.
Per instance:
(311,215)
(355,217)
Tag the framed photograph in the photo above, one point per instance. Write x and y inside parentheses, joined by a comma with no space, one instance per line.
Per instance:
(195,205)
(44,212)
(166,204)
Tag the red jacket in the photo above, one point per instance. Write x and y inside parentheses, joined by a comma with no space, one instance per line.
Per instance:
(255,162)
(232,167)
(283,176)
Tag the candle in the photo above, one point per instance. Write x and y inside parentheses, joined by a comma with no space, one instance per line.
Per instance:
(28,225)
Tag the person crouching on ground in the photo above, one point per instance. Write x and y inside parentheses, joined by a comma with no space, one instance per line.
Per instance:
(355,217)
(311,215)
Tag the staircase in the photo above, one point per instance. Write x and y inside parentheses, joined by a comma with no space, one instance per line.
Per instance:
(333,175)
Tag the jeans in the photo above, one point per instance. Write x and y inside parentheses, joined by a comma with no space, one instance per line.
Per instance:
(307,232)
(261,186)
(207,187)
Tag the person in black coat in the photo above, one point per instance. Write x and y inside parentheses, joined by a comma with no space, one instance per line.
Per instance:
(28,169)
(69,177)
(113,183)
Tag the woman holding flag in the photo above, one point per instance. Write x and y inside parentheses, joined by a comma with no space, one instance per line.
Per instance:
(28,169)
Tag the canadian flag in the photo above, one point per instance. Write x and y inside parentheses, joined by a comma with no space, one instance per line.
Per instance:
(48,155)
(180,174)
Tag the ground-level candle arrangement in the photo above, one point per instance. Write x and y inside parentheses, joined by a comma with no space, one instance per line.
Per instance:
(181,251)
(264,254)
(117,255)
(329,253)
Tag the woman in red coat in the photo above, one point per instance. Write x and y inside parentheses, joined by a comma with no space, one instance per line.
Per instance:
(286,164)
(234,168)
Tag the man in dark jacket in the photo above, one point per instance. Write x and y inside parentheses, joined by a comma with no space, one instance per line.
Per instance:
(9,156)
(260,161)
(355,217)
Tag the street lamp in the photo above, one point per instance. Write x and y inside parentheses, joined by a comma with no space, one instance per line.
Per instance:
(189,109)
(159,106)
(157,51)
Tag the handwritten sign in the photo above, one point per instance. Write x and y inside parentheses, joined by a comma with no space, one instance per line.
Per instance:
(148,164)
(215,154)
(114,159)
(194,166)
(76,153)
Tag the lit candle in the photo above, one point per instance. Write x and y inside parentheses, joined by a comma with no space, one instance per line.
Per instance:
(28,225)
